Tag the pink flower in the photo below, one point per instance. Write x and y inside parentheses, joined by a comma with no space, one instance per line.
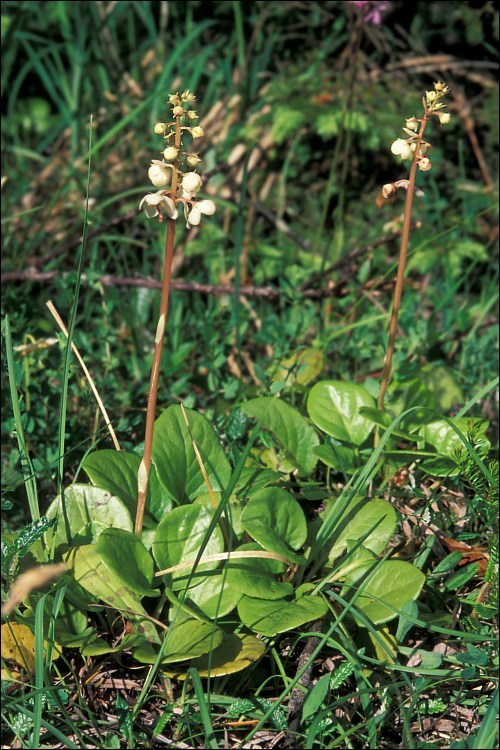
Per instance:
(372,9)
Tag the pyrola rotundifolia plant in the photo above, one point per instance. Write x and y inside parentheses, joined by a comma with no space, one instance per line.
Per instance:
(178,181)
(413,147)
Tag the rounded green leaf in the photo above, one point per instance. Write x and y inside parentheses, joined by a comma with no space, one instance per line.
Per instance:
(124,553)
(236,652)
(276,521)
(338,456)
(191,639)
(92,572)
(259,575)
(392,584)
(214,596)
(270,618)
(175,459)
(375,517)
(334,407)
(293,432)
(116,471)
(178,539)
(82,513)
(441,435)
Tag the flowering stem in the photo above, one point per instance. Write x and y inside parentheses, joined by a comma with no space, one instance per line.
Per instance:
(398,289)
(143,475)
(163,204)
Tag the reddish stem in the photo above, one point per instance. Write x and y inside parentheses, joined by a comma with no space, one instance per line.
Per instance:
(143,477)
(398,289)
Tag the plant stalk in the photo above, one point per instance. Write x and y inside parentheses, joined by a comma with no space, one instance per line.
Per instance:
(403,253)
(143,475)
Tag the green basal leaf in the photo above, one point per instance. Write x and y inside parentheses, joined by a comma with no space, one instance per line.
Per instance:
(116,471)
(236,652)
(214,596)
(340,457)
(270,618)
(178,539)
(123,552)
(175,459)
(375,517)
(294,434)
(258,575)
(276,521)
(110,586)
(391,585)
(82,513)
(335,406)
(189,640)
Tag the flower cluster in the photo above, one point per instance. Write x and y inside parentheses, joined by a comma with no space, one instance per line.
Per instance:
(177,186)
(406,147)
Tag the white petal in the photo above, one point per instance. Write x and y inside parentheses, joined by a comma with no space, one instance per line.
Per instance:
(194,216)
(170,207)
(207,207)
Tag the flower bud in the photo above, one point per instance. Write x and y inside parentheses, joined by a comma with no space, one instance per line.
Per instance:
(158,175)
(174,99)
(187,96)
(441,88)
(160,128)
(197,131)
(444,117)
(191,183)
(170,153)
(192,160)
(178,111)
(192,114)
(412,124)
(431,96)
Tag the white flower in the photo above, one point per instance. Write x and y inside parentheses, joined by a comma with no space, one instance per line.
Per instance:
(154,203)
(424,164)
(401,148)
(193,218)
(191,184)
(158,173)
(207,207)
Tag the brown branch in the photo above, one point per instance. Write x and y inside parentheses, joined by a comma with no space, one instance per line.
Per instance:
(334,289)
